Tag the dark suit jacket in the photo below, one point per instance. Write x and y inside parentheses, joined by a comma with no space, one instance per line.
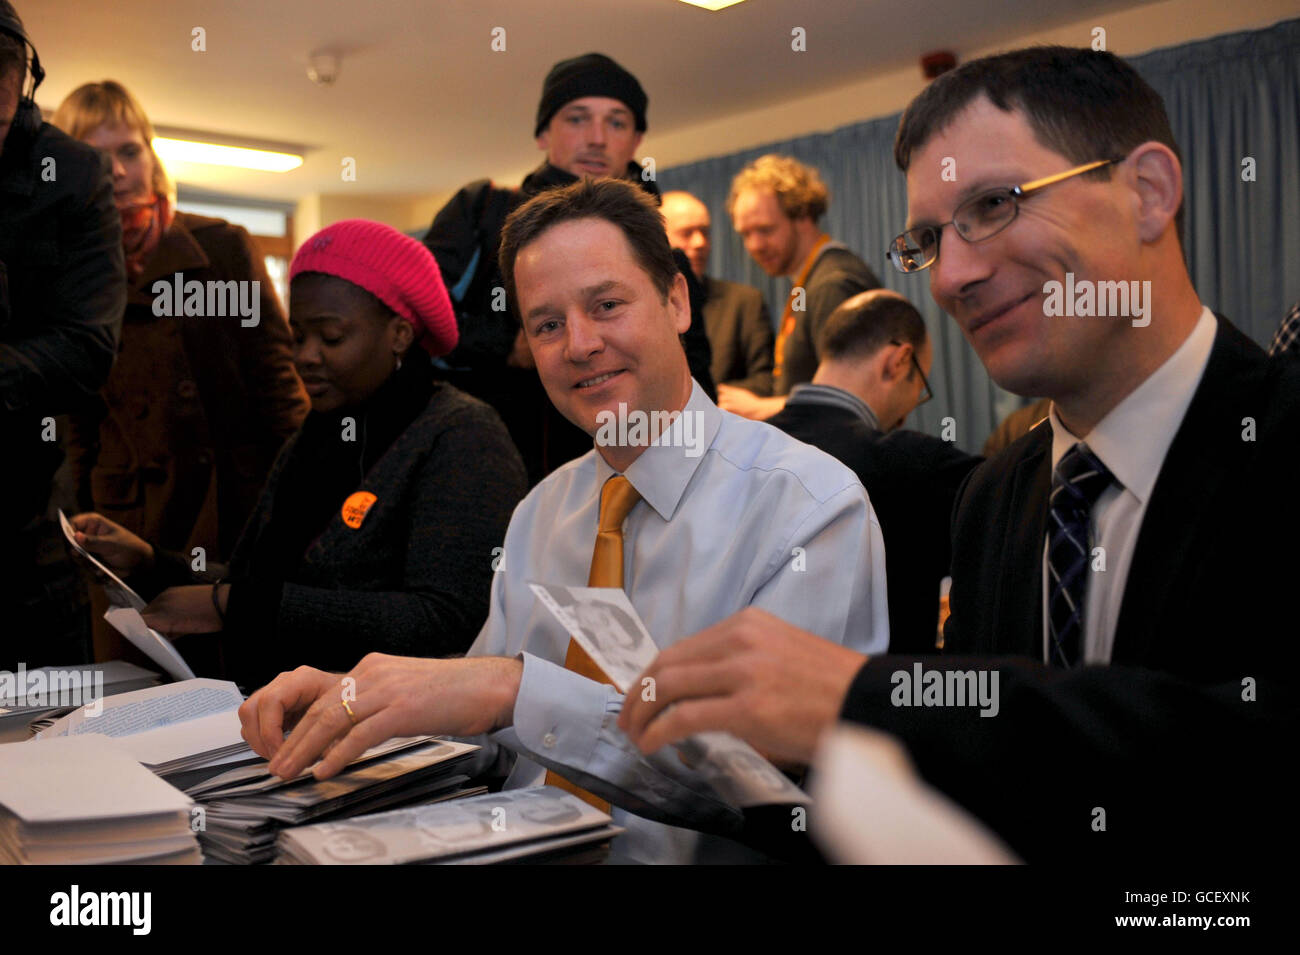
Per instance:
(912,480)
(1183,738)
(1016,425)
(837,275)
(740,333)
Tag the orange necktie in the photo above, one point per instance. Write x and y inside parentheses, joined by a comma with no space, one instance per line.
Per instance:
(617,498)
(788,317)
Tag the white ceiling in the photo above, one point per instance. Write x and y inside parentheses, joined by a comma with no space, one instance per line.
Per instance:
(424,104)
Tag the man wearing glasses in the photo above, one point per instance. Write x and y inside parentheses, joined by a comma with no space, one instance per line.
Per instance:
(872,374)
(1128,571)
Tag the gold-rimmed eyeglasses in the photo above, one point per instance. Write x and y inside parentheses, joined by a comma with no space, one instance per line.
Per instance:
(978,218)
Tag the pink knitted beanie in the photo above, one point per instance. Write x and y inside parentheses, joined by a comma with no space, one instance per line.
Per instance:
(396,269)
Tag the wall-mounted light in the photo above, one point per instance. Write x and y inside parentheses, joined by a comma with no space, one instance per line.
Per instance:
(214,154)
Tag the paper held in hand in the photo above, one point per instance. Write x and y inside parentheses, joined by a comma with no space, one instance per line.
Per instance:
(126,605)
(606,625)
(119,594)
(128,622)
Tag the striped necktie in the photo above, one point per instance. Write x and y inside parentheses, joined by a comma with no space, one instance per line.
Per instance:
(617,498)
(1079,479)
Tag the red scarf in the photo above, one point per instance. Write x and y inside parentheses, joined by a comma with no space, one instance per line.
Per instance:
(143,223)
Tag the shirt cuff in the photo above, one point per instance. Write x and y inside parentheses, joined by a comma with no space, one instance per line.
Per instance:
(568,723)
(559,714)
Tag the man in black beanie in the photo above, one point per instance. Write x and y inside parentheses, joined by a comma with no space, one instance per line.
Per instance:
(603,118)
(590,120)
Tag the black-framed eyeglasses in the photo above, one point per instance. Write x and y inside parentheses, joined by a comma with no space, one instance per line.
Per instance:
(978,218)
(926,393)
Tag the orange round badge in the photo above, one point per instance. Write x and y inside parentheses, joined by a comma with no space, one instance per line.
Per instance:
(355,508)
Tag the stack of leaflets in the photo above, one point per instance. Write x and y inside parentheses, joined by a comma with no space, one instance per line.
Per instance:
(544,824)
(244,809)
(35,698)
(171,729)
(78,801)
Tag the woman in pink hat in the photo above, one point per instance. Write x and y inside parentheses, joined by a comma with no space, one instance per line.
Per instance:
(377,526)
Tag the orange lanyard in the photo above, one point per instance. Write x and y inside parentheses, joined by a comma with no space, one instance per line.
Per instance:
(788,317)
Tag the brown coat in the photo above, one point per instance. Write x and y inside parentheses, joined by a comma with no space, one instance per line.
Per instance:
(196,407)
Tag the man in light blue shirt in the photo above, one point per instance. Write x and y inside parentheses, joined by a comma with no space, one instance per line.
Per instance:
(731,514)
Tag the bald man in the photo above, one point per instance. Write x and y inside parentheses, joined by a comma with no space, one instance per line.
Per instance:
(735,316)
(875,356)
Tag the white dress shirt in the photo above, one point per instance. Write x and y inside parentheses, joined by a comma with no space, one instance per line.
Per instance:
(757,519)
(1131,441)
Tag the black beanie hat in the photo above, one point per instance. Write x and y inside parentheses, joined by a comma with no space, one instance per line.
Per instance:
(593,74)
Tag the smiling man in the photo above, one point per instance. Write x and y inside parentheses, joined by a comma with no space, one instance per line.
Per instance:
(757,520)
(1124,569)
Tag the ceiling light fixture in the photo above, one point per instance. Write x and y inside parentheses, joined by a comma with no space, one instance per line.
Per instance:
(713,5)
(212,154)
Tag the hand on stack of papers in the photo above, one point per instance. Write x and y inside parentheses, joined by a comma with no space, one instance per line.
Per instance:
(243,810)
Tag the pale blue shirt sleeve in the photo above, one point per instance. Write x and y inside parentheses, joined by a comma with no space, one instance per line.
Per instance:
(567,722)
(837,550)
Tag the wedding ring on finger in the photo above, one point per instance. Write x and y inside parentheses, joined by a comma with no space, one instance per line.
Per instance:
(352,716)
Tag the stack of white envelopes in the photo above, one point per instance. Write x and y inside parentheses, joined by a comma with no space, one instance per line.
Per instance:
(83,801)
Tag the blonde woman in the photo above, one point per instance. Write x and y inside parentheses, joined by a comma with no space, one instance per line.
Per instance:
(197,405)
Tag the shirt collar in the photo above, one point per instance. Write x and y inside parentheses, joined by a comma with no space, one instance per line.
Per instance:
(663,470)
(810,394)
(1135,435)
